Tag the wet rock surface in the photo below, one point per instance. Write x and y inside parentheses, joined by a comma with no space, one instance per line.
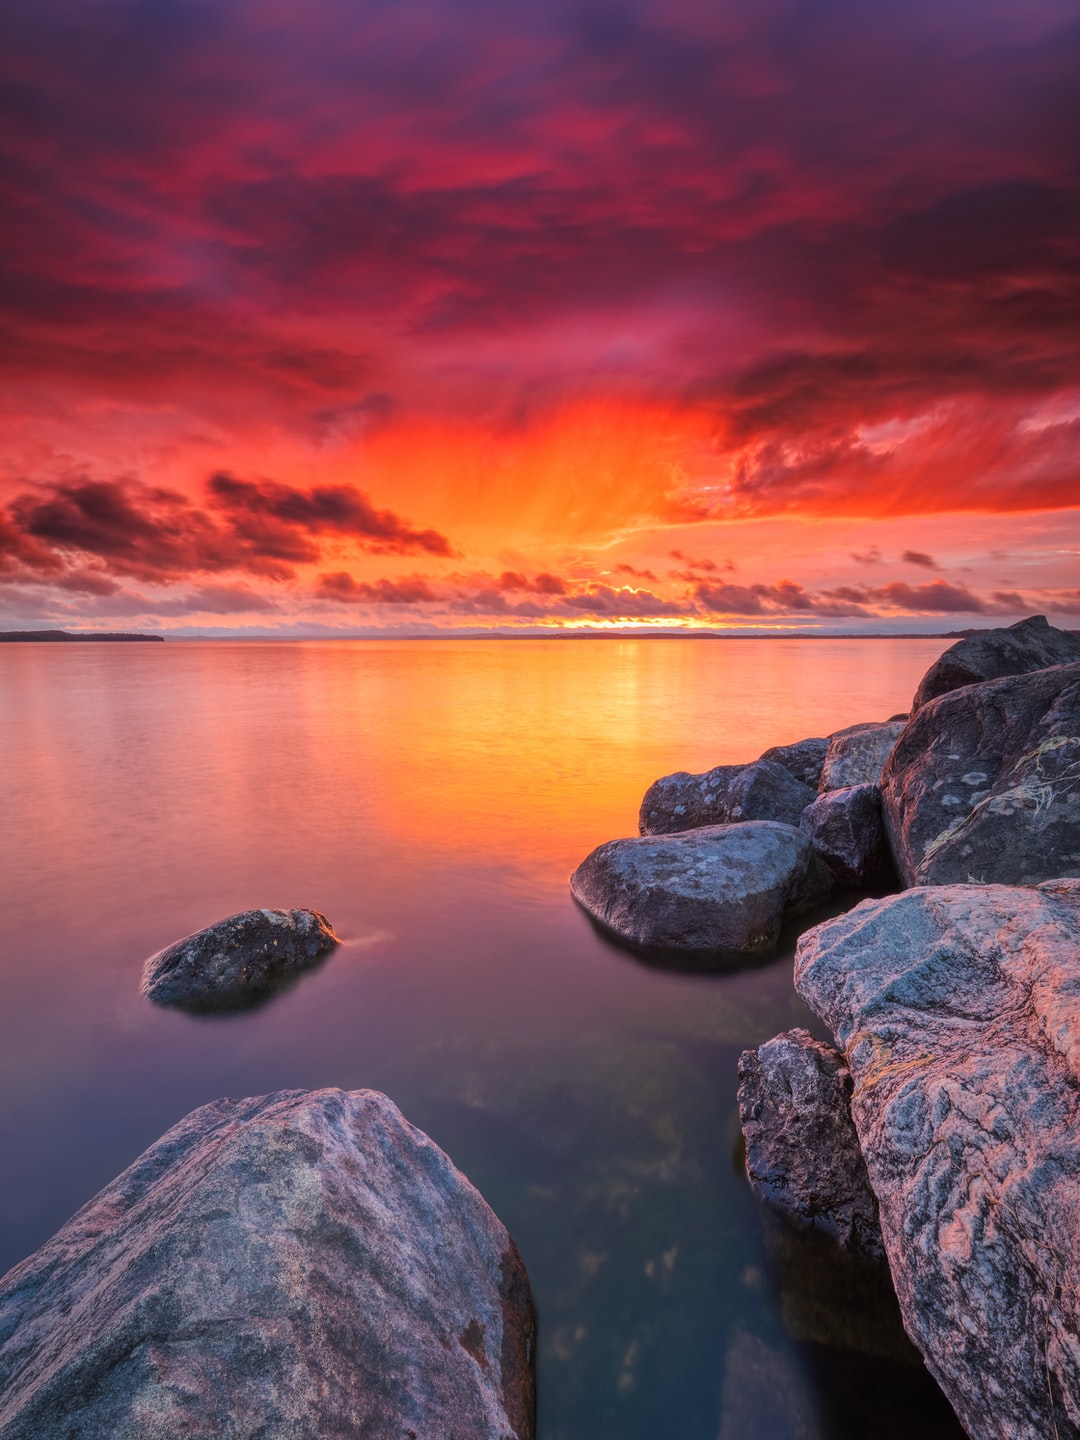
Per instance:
(803,759)
(802,1153)
(958,1009)
(984,784)
(235,962)
(1031,644)
(724,795)
(848,832)
(304,1263)
(714,891)
(857,755)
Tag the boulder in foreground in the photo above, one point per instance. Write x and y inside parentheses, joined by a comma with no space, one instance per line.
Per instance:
(802,1152)
(848,832)
(984,784)
(764,790)
(958,1009)
(1031,644)
(232,963)
(300,1264)
(718,890)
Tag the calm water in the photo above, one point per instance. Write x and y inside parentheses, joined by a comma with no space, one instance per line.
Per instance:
(431,799)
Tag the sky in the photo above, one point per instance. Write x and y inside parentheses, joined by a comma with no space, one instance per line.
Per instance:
(353,317)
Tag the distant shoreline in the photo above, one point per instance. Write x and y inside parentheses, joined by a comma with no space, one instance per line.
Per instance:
(62,636)
(83,637)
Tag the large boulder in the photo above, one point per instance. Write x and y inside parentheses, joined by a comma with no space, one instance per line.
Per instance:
(300,1264)
(715,891)
(958,1010)
(803,758)
(984,784)
(848,832)
(857,755)
(802,1152)
(764,790)
(1032,644)
(236,961)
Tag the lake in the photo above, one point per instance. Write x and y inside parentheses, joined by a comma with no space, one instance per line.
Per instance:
(431,798)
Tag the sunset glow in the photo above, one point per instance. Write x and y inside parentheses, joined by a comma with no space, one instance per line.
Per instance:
(364,319)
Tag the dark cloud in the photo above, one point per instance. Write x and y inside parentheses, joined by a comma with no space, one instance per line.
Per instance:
(413,590)
(84,533)
(273,514)
(542,584)
(919,557)
(634,572)
(937,597)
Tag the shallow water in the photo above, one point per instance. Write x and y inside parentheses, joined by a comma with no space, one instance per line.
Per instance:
(431,798)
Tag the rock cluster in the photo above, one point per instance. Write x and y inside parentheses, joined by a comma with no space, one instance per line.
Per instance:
(956,1010)
(982,784)
(304,1263)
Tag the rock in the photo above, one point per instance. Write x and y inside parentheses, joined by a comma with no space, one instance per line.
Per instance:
(848,832)
(1031,644)
(764,790)
(802,1152)
(237,960)
(958,1009)
(803,759)
(718,890)
(857,755)
(299,1264)
(984,784)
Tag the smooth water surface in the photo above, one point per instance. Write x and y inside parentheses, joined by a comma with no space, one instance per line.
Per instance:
(431,799)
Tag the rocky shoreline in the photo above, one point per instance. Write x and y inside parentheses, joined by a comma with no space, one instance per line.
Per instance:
(940,1132)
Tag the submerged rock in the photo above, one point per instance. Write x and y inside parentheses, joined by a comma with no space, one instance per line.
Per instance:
(235,961)
(984,784)
(764,790)
(1031,644)
(958,1009)
(300,1264)
(720,889)
(803,759)
(857,755)
(848,832)
(802,1152)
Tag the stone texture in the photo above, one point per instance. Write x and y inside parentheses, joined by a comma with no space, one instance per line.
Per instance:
(237,960)
(958,1009)
(720,889)
(299,1264)
(984,784)
(857,755)
(764,790)
(803,759)
(1031,644)
(802,1152)
(848,832)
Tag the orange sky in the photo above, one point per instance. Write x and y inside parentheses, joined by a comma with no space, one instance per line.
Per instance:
(363,320)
